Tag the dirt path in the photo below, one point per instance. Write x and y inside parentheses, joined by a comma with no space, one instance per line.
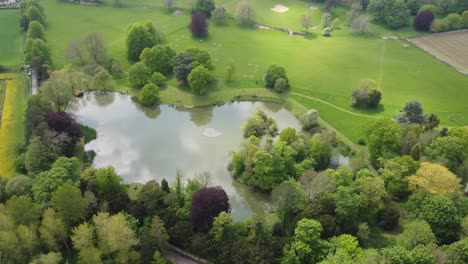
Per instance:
(33,82)
(334,106)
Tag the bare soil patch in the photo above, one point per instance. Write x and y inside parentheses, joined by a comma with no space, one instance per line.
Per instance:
(312,8)
(280,8)
(448,47)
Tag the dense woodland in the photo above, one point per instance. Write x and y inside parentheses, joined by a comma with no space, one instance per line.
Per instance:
(408,204)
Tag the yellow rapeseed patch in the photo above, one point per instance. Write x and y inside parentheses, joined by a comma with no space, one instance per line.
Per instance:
(12,122)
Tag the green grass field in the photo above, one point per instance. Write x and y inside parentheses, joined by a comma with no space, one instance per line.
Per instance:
(328,69)
(11,43)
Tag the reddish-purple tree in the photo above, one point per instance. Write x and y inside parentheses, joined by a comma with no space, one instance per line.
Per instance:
(64,122)
(199,26)
(207,203)
(423,20)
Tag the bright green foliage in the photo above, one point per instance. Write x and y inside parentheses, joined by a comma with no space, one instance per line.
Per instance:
(89,255)
(158,79)
(382,138)
(114,236)
(289,199)
(262,171)
(63,170)
(344,249)
(458,252)
(35,14)
(414,5)
(138,75)
(188,60)
(36,31)
(221,226)
(102,80)
(52,230)
(22,210)
(158,258)
(108,181)
(260,125)
(149,95)
(450,151)
(49,258)
(83,236)
(229,71)
(159,59)
(431,8)
(200,79)
(395,172)
(397,255)
(307,247)
(439,212)
(415,233)
(69,204)
(288,135)
(273,73)
(140,36)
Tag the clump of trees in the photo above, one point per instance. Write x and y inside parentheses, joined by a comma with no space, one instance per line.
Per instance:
(149,94)
(186,62)
(142,35)
(367,95)
(275,77)
(393,13)
(260,125)
(452,21)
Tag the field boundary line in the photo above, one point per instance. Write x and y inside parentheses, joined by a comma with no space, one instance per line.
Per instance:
(335,106)
(433,53)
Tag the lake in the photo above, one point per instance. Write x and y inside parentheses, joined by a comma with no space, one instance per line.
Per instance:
(153,143)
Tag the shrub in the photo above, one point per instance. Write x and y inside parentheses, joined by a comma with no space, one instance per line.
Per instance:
(273,73)
(158,79)
(138,75)
(204,6)
(281,85)
(464,19)
(453,21)
(388,217)
(218,15)
(431,8)
(366,96)
(149,95)
(326,32)
(199,25)
(423,20)
(199,79)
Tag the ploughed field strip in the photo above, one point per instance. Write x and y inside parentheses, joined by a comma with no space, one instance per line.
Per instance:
(449,47)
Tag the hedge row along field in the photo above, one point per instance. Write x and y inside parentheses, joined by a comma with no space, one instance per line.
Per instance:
(12,119)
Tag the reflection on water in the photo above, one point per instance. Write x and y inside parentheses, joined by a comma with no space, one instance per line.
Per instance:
(152,143)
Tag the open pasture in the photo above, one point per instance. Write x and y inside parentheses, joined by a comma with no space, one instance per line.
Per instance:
(11,41)
(449,47)
(328,69)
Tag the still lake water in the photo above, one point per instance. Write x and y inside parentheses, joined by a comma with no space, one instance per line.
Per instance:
(152,143)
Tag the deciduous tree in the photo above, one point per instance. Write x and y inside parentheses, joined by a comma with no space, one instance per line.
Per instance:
(200,79)
(207,203)
(435,179)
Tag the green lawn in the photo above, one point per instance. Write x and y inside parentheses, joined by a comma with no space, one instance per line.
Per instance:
(11,43)
(325,68)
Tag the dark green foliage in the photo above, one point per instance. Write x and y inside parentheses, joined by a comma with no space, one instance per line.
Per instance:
(140,36)
(388,217)
(393,13)
(204,6)
(188,60)
(274,73)
(450,151)
(366,96)
(439,212)
(22,210)
(320,151)
(89,133)
(37,53)
(281,85)
(36,31)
